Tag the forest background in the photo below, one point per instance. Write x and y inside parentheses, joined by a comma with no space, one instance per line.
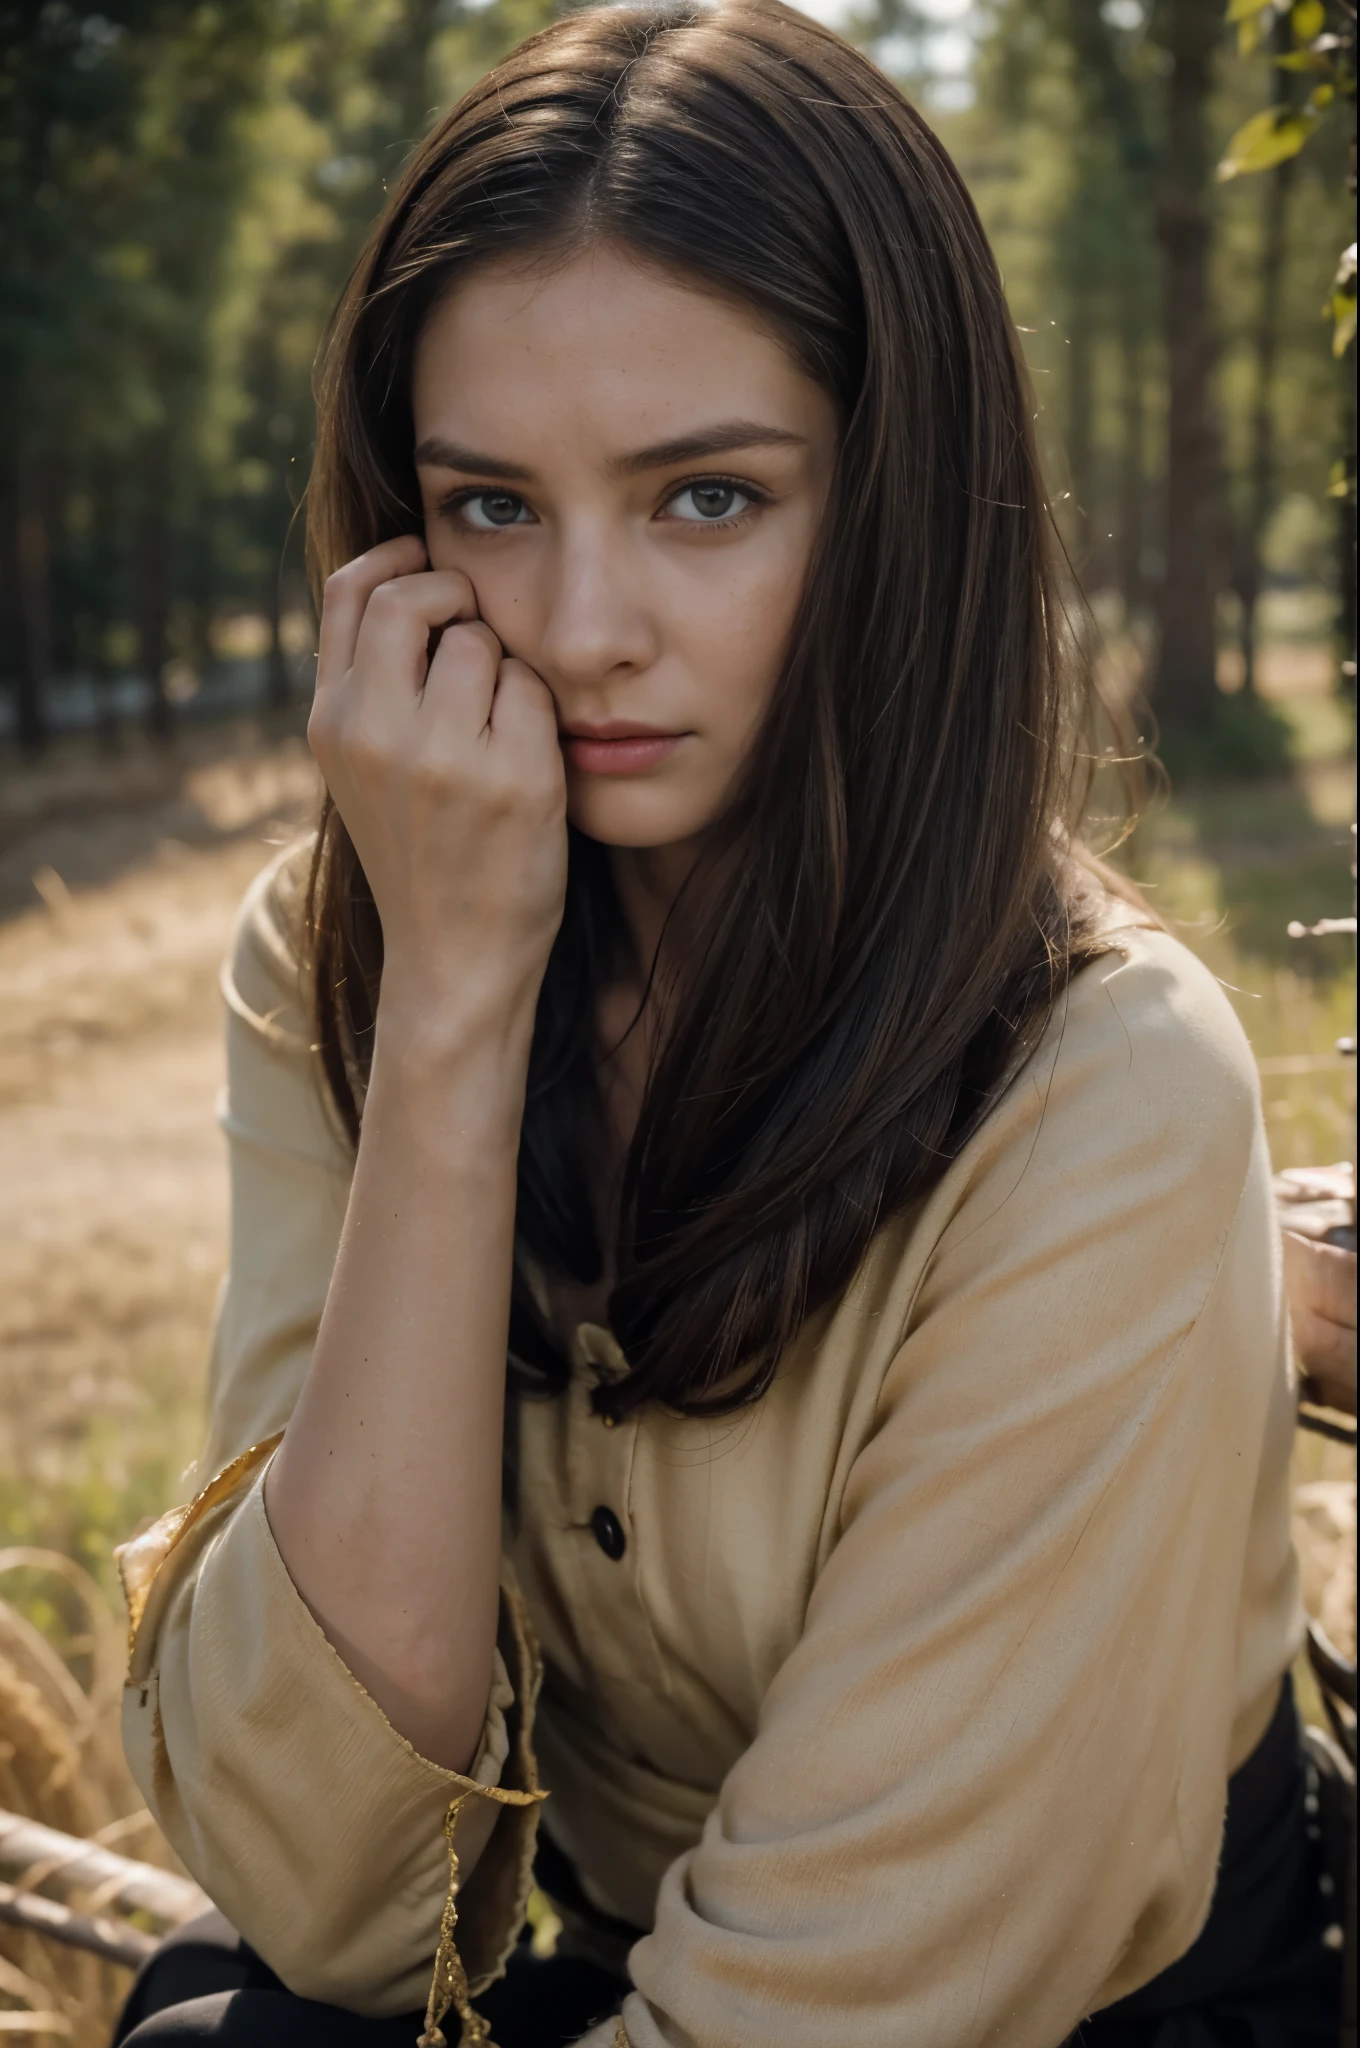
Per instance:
(183,189)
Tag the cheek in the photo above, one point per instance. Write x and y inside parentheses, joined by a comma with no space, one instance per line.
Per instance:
(505,582)
(734,637)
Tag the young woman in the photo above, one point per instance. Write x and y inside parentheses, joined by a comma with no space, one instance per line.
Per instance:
(754,1348)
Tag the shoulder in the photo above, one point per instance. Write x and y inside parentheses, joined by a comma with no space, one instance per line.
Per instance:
(264,979)
(1135,1126)
(1181,1038)
(1144,1050)
(277,1095)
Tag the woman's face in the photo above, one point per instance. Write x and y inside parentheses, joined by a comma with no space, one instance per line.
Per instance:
(631,472)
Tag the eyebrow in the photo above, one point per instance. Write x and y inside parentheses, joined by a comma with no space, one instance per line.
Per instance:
(435,452)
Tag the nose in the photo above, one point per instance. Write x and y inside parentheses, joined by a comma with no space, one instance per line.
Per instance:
(599,624)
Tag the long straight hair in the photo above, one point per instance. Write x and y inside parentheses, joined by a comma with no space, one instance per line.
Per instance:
(889,910)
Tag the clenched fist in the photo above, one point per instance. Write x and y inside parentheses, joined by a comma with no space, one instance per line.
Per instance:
(447,772)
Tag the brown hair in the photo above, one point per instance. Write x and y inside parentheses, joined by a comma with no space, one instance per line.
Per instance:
(887,912)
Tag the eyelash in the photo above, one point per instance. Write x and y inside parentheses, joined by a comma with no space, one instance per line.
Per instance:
(454,503)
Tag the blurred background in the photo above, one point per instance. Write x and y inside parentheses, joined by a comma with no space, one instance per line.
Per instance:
(183,189)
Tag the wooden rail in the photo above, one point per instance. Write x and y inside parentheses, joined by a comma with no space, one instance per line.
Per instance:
(109,1884)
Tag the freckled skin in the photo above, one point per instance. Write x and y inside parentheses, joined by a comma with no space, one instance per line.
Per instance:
(627,611)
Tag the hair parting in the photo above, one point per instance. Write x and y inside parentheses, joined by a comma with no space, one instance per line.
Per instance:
(891,907)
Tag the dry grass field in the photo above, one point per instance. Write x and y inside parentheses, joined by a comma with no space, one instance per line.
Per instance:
(118,884)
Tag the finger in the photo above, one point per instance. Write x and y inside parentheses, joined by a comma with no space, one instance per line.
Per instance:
(1321,1277)
(401,614)
(346,596)
(462,674)
(524,706)
(1326,1354)
(523,731)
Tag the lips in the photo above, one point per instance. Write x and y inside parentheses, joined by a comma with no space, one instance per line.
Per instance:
(618,749)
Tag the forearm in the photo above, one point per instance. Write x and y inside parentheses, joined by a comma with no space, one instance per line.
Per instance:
(385,1496)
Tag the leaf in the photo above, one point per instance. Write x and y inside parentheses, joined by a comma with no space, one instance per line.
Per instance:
(1267,139)
(1340,303)
(1242,10)
(1307,18)
(1339,483)
(1302,60)
(1321,96)
(1248,36)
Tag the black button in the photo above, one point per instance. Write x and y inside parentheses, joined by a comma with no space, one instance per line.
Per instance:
(608,1532)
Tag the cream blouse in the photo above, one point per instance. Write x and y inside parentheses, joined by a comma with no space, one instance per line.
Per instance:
(898,1708)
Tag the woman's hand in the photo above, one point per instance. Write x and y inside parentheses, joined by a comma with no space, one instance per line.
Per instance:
(448,775)
(1320,1278)
(385,1495)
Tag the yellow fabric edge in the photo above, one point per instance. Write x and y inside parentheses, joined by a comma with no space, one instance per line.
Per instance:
(450,1989)
(140,1559)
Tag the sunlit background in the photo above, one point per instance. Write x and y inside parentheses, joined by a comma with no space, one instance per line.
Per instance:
(183,189)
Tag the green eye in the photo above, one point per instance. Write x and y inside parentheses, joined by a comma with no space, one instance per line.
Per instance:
(488,509)
(710,501)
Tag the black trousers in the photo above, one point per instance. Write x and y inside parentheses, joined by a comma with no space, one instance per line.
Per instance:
(205,1988)
(1261,1974)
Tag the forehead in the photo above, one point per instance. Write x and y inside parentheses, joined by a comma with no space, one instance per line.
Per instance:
(605,344)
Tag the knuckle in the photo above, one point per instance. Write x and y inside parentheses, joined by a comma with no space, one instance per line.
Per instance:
(473,645)
(365,750)
(430,774)
(485,638)
(1322,1351)
(439,774)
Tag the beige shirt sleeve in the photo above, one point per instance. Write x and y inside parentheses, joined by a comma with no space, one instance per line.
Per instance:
(312,1824)
(987,1787)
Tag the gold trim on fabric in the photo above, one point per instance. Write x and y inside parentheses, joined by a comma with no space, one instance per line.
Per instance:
(621,2034)
(140,1559)
(139,1563)
(449,1983)
(449,1988)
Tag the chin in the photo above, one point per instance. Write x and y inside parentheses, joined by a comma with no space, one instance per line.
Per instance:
(619,813)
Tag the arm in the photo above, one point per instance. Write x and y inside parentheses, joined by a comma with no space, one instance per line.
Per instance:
(239,1718)
(384,1498)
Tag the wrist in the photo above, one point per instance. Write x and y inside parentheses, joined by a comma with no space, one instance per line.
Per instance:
(451,1067)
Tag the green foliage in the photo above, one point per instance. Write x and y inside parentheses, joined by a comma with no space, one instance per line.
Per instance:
(184,186)
(1267,139)
(1248,740)
(1341,302)
(1324,39)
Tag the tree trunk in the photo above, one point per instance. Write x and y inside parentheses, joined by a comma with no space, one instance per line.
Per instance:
(1186,689)
(33,564)
(278,683)
(153,588)
(1261,483)
(1345,540)
(1080,406)
(410,63)
(1133,433)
